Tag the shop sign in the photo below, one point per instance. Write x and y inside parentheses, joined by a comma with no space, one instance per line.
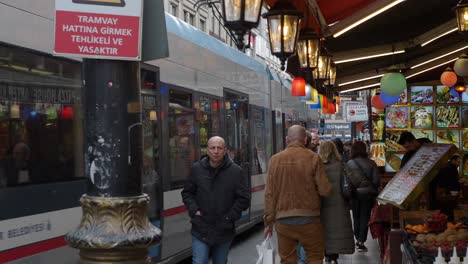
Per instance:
(99,29)
(356,112)
(337,127)
(56,95)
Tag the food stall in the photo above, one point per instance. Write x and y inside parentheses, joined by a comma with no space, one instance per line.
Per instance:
(438,113)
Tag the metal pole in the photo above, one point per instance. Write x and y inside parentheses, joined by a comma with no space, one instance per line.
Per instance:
(114,227)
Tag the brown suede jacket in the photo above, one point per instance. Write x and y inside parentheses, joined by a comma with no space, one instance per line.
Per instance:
(296,180)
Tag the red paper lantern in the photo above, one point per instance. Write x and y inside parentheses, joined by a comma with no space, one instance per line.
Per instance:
(376,102)
(448,77)
(298,87)
(215,105)
(331,108)
(67,113)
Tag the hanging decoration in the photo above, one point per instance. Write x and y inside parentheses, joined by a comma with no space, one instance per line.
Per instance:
(393,83)
(448,77)
(314,96)
(308,93)
(298,87)
(377,103)
(461,65)
(387,99)
(316,106)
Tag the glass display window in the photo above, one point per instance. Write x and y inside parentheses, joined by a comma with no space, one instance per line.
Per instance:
(448,137)
(377,153)
(396,117)
(422,116)
(447,116)
(422,95)
(446,95)
(393,161)
(260,143)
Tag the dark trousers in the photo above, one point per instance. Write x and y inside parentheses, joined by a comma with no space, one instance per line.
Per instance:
(361,215)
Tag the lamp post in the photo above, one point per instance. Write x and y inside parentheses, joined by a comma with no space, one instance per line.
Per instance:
(240,16)
(462,16)
(283,28)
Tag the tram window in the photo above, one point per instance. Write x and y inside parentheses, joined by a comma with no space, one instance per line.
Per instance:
(40,122)
(181,137)
(261,144)
(209,121)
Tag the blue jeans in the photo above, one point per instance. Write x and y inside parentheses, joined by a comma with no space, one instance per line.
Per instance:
(201,252)
(301,255)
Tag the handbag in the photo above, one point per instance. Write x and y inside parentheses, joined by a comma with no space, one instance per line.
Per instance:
(348,191)
(266,253)
(368,190)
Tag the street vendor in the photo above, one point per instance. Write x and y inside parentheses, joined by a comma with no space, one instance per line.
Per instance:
(445,188)
(411,144)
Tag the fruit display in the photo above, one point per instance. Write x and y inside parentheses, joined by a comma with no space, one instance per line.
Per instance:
(436,223)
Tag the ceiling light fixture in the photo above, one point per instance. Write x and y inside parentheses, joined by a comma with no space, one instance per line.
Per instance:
(360,80)
(364,19)
(436,58)
(428,69)
(371,56)
(439,36)
(361,87)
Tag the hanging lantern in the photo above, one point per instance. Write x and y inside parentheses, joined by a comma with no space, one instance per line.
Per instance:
(314,96)
(283,28)
(377,103)
(387,99)
(461,66)
(462,16)
(331,74)
(308,94)
(308,47)
(460,87)
(67,113)
(298,87)
(393,83)
(323,66)
(240,16)
(15,111)
(448,77)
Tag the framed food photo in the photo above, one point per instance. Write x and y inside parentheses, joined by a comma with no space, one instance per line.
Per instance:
(422,116)
(464,140)
(422,95)
(446,95)
(447,116)
(396,117)
(464,116)
(393,161)
(423,133)
(448,137)
(403,97)
(391,141)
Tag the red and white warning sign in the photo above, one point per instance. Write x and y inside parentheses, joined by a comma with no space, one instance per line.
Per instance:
(106,29)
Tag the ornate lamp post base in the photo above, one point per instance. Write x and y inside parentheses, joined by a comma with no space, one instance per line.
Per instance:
(114,230)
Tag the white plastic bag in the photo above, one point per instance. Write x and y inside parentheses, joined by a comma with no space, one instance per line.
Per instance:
(266,253)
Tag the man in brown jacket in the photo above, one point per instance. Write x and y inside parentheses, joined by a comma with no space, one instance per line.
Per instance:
(296,180)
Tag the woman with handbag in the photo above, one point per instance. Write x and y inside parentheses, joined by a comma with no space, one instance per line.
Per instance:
(334,211)
(362,172)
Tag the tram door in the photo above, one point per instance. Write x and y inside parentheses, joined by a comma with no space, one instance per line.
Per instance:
(151,180)
(236,106)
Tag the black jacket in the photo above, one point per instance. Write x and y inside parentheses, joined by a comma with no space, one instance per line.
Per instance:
(220,195)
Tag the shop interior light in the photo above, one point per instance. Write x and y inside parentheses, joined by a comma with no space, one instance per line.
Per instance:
(371,56)
(441,56)
(153,116)
(360,87)
(439,36)
(15,111)
(428,69)
(360,80)
(364,19)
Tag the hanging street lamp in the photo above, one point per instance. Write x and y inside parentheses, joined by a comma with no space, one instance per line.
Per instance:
(330,82)
(308,47)
(462,16)
(240,16)
(460,87)
(323,66)
(283,28)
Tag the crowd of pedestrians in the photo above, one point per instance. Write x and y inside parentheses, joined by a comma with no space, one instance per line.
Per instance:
(303,199)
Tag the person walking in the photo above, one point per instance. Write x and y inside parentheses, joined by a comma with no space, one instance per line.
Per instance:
(334,213)
(216,194)
(295,183)
(362,172)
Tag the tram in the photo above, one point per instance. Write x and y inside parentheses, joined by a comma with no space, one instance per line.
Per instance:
(204,88)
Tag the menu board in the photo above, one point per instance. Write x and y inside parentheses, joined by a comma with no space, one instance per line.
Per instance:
(411,180)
